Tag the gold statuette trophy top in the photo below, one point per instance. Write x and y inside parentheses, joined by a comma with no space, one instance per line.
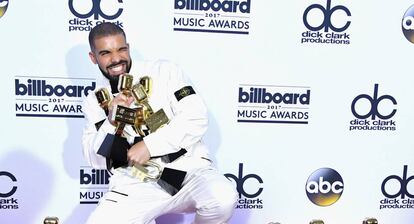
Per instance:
(316,221)
(51,220)
(370,221)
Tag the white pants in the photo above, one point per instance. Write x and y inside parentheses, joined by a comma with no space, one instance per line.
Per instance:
(205,191)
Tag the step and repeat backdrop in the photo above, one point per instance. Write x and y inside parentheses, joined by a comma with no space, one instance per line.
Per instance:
(311,103)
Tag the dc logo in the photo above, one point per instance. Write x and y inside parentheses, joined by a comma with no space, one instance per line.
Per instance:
(374,102)
(403,181)
(240,180)
(408,24)
(12,179)
(96,11)
(3,7)
(327,16)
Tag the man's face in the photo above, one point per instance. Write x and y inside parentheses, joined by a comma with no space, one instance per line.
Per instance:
(111,53)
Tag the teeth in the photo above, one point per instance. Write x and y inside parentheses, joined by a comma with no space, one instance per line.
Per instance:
(117,68)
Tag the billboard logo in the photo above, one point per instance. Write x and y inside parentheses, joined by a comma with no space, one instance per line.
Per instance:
(367,109)
(51,97)
(212,16)
(273,104)
(331,34)
(407,24)
(247,199)
(42,88)
(87,16)
(215,5)
(8,189)
(3,7)
(324,187)
(93,185)
(398,190)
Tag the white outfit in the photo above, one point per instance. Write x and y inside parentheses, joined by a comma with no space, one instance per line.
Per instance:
(128,200)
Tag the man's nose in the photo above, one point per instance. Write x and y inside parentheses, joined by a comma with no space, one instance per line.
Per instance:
(115,58)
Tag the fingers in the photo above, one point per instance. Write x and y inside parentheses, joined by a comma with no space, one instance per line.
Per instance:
(135,158)
(120,99)
(138,154)
(123,100)
(130,99)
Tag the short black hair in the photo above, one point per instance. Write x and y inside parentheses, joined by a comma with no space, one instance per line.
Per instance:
(102,30)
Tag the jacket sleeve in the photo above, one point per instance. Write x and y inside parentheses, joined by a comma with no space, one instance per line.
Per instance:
(91,137)
(189,121)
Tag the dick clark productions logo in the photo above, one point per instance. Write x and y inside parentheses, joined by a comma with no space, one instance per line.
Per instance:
(373,112)
(398,191)
(7,190)
(87,16)
(249,200)
(324,31)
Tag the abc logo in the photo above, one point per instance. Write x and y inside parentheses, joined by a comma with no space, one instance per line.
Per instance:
(3,7)
(96,11)
(327,17)
(374,101)
(324,187)
(12,179)
(240,181)
(403,183)
(407,24)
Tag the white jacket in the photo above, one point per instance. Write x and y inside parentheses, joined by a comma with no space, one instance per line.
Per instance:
(188,118)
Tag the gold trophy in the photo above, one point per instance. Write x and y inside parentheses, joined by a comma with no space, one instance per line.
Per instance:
(135,117)
(125,83)
(316,221)
(51,220)
(146,82)
(144,115)
(370,221)
(103,97)
(115,147)
(123,115)
(104,100)
(153,121)
(141,118)
(144,122)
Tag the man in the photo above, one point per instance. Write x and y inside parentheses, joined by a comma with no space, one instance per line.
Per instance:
(129,199)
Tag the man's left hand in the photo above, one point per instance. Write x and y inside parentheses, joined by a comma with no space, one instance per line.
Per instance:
(138,153)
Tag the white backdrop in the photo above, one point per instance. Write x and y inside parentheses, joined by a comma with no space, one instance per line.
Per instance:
(261,45)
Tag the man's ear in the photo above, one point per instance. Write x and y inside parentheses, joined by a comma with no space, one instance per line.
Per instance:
(93,58)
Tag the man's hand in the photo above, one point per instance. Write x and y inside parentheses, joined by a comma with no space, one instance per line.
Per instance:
(138,153)
(120,99)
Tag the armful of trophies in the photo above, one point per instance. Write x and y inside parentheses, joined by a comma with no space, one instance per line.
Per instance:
(144,121)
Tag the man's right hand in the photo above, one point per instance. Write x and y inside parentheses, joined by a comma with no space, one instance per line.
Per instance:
(122,100)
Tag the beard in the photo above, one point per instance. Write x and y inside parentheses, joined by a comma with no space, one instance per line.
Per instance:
(115,79)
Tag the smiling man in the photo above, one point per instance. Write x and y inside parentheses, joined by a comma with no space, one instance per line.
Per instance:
(177,146)
(110,52)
